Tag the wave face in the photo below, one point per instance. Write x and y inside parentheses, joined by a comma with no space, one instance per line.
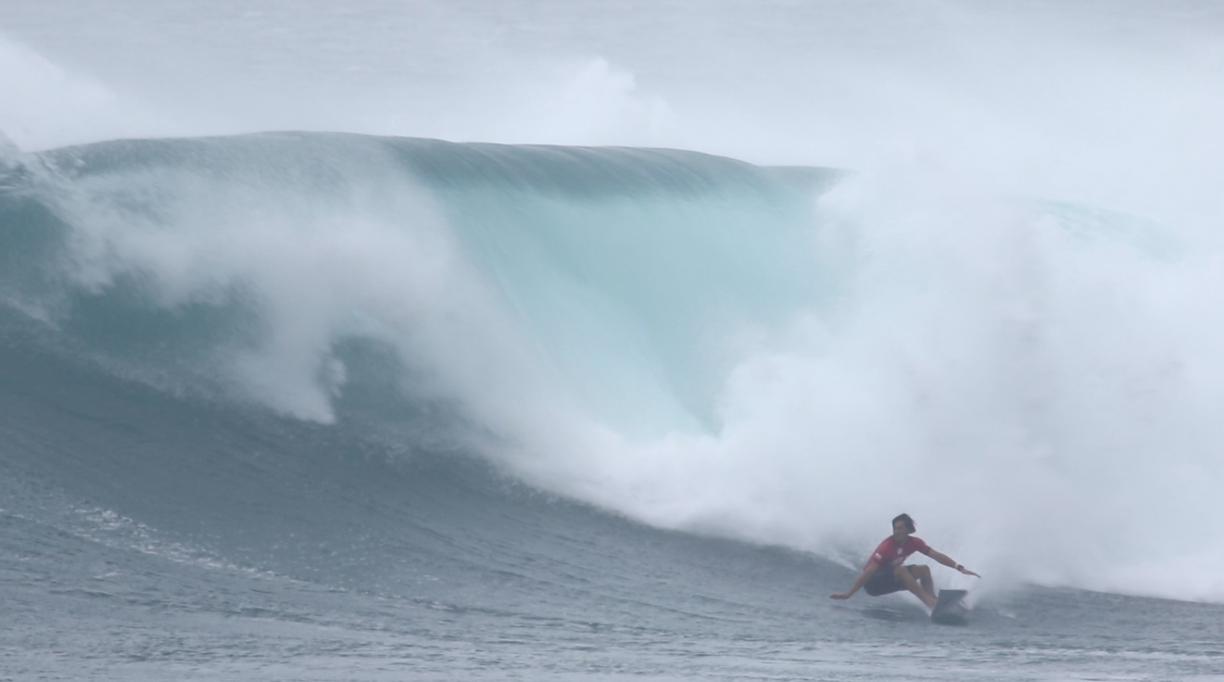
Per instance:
(782,355)
(513,301)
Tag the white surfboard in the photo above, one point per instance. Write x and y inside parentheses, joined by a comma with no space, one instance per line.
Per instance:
(950,608)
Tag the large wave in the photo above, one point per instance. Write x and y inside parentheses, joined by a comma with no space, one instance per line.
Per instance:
(784,355)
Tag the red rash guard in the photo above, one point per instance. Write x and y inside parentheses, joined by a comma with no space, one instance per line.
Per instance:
(891,553)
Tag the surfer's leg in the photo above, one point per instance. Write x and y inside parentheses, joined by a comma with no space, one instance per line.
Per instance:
(912,584)
(923,574)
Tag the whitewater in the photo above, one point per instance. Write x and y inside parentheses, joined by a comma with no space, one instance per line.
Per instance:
(594,340)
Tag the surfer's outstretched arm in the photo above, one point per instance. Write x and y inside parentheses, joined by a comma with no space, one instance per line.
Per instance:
(868,570)
(947,561)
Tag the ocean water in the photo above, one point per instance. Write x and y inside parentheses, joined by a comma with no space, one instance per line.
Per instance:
(595,340)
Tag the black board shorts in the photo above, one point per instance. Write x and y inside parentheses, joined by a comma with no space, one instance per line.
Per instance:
(883,581)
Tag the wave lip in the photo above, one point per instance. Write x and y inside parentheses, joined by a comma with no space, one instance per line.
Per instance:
(250,258)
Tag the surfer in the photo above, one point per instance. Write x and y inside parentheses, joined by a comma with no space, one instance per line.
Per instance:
(886,571)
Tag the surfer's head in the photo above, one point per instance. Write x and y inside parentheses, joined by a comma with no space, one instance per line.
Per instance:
(903,525)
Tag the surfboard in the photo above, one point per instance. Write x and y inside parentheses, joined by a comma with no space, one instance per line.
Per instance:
(950,608)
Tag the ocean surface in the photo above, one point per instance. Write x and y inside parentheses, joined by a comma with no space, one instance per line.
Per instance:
(602,340)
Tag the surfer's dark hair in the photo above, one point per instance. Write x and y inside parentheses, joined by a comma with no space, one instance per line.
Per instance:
(909,523)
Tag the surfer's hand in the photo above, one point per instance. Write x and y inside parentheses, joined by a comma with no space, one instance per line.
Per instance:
(966,571)
(840,595)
